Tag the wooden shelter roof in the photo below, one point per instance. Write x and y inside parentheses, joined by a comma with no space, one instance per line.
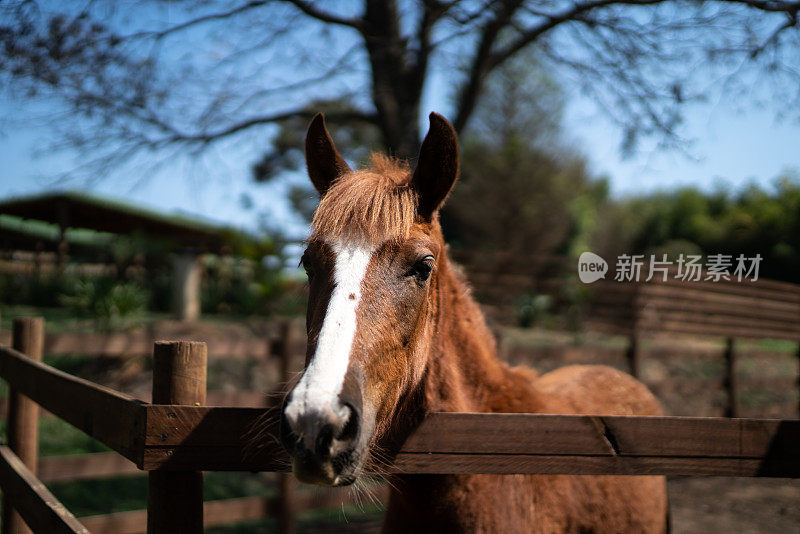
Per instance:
(74,210)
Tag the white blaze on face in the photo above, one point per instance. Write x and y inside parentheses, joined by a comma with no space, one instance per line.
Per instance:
(319,389)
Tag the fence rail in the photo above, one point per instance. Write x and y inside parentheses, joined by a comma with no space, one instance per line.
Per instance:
(203,438)
(84,467)
(117,344)
(31,499)
(110,417)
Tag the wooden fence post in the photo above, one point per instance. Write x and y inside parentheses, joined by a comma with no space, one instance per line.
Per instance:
(175,498)
(634,352)
(23,415)
(798,380)
(634,355)
(731,380)
(286,483)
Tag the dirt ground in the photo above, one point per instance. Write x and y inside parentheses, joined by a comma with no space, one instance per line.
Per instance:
(735,505)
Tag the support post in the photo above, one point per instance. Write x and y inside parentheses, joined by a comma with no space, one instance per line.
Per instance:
(175,498)
(286,483)
(731,380)
(186,279)
(23,414)
(798,380)
(634,355)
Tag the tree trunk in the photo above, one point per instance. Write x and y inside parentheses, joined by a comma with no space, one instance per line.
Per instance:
(396,84)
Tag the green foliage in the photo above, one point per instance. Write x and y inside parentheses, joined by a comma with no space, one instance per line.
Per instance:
(755,220)
(57,437)
(521,189)
(88,497)
(106,299)
(531,309)
(241,287)
(38,289)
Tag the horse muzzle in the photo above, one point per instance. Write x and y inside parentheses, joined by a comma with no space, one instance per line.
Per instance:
(323,443)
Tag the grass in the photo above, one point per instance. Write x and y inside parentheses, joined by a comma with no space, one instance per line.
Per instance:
(91,497)
(62,319)
(59,320)
(313,521)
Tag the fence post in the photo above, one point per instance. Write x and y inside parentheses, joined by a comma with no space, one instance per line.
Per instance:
(23,414)
(634,352)
(175,498)
(731,380)
(634,355)
(286,484)
(798,380)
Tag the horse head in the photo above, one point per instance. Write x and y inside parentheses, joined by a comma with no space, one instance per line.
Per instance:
(372,262)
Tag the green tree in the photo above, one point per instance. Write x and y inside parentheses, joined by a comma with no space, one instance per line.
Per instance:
(521,189)
(755,220)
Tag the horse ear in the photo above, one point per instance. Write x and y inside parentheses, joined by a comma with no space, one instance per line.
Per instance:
(324,163)
(437,166)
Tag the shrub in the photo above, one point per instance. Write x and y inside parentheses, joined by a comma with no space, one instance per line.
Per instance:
(105,299)
(531,308)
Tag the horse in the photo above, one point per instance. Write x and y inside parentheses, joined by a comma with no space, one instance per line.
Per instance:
(394,334)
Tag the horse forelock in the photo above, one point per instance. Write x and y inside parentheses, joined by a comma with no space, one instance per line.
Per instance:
(372,205)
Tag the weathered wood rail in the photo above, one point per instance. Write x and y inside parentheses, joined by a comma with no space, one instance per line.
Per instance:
(205,438)
(173,441)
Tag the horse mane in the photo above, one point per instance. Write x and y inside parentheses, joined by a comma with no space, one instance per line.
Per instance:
(374,204)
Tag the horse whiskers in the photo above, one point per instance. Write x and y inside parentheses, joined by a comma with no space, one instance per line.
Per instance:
(367,488)
(262,432)
(362,494)
(381,463)
(356,491)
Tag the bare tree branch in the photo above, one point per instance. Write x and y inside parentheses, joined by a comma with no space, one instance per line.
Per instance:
(312,11)
(481,63)
(791,21)
(210,136)
(158,35)
(554,20)
(633,56)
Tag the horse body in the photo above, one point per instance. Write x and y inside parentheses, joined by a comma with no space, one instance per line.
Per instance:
(466,376)
(394,335)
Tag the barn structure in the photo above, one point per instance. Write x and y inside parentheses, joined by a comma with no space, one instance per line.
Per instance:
(63,223)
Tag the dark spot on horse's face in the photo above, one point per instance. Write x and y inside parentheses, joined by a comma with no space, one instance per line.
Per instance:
(352,296)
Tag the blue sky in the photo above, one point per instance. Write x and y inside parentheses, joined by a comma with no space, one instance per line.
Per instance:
(729,149)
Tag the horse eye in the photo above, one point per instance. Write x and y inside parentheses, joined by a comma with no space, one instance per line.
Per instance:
(305,265)
(422,269)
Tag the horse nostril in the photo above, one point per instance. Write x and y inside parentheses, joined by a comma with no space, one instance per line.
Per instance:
(289,439)
(349,431)
(323,442)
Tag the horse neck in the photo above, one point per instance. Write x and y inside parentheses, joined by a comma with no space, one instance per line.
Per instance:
(464,373)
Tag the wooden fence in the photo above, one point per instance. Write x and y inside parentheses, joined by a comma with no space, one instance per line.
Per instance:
(174,442)
(286,346)
(733,310)
(727,308)
(264,350)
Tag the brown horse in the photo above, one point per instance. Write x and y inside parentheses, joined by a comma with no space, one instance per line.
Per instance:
(394,334)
